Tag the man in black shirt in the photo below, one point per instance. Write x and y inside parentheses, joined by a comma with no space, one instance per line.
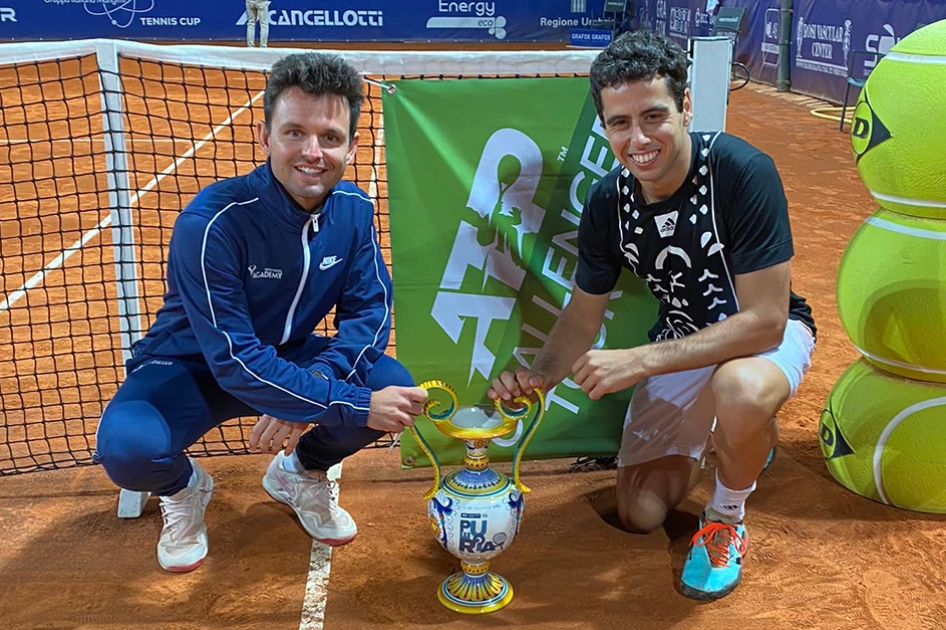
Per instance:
(703,219)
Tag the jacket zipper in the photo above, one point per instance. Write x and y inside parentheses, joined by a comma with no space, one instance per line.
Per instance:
(314,222)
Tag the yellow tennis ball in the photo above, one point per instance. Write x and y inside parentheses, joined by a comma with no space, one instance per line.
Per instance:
(899,127)
(891,293)
(884,438)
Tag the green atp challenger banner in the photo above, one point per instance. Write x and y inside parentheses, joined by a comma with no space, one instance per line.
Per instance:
(487,179)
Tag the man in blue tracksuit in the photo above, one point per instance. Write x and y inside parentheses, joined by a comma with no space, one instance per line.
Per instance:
(255,263)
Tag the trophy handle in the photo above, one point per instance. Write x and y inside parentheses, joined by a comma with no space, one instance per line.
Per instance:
(424,446)
(527,436)
(436,417)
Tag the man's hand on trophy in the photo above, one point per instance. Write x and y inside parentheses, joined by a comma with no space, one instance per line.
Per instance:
(522,382)
(393,408)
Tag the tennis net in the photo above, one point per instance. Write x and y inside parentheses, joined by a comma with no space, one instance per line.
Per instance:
(102,143)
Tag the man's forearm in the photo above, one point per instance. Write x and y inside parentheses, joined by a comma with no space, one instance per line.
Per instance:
(740,335)
(571,336)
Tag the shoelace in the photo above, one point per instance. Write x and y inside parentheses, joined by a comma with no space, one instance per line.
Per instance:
(176,515)
(316,488)
(717,537)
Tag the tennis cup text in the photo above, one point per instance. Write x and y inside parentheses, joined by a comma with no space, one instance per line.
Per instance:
(170,21)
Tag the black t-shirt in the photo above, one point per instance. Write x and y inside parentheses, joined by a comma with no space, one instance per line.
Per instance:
(730,217)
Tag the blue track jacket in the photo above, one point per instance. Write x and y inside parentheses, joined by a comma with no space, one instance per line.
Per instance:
(251,274)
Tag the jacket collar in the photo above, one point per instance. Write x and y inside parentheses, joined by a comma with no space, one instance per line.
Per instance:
(278,203)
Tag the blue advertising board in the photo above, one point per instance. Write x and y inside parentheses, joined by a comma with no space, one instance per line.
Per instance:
(757,43)
(590,38)
(299,20)
(677,19)
(824,32)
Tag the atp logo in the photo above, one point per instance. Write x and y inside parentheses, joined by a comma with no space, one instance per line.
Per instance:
(501,221)
(833,442)
(867,130)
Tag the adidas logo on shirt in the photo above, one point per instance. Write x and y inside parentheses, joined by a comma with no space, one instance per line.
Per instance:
(667,223)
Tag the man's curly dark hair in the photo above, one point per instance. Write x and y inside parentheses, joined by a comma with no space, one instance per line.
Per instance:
(639,56)
(315,74)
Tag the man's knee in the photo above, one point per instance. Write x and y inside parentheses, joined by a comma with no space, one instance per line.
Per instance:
(749,389)
(641,514)
(648,491)
(129,440)
(388,371)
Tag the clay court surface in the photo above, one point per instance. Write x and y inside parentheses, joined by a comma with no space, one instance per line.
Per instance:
(820,557)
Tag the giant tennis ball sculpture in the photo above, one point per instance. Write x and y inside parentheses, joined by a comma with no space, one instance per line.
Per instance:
(899,129)
(884,438)
(891,293)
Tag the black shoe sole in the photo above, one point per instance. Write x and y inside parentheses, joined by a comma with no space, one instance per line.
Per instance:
(703,596)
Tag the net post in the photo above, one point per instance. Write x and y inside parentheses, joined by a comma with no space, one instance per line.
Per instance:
(119,196)
(117,168)
(131,503)
(709,82)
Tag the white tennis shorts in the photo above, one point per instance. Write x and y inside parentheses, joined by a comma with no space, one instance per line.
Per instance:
(673,414)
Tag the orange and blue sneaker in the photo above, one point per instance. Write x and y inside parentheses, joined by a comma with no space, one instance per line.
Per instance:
(713,567)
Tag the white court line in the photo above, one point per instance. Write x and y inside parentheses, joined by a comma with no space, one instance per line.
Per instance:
(316,587)
(320,564)
(59,260)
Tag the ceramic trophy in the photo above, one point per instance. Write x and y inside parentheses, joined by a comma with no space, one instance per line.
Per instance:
(475,511)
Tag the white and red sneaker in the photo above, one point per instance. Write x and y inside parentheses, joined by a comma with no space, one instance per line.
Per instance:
(182,546)
(312,495)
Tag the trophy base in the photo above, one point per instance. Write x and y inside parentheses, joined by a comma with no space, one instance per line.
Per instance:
(475,590)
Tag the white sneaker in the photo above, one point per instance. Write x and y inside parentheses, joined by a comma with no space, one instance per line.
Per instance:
(312,495)
(183,543)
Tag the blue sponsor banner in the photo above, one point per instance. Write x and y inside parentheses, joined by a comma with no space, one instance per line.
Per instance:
(825,32)
(677,19)
(300,20)
(757,43)
(591,38)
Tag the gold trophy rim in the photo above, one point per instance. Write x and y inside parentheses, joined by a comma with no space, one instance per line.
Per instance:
(510,417)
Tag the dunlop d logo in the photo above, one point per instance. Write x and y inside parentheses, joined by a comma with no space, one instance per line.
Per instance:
(833,444)
(867,130)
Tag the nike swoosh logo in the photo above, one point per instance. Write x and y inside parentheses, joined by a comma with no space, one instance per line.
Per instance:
(329,262)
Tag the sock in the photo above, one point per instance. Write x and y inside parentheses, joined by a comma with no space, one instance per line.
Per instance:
(292,463)
(185,491)
(729,503)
